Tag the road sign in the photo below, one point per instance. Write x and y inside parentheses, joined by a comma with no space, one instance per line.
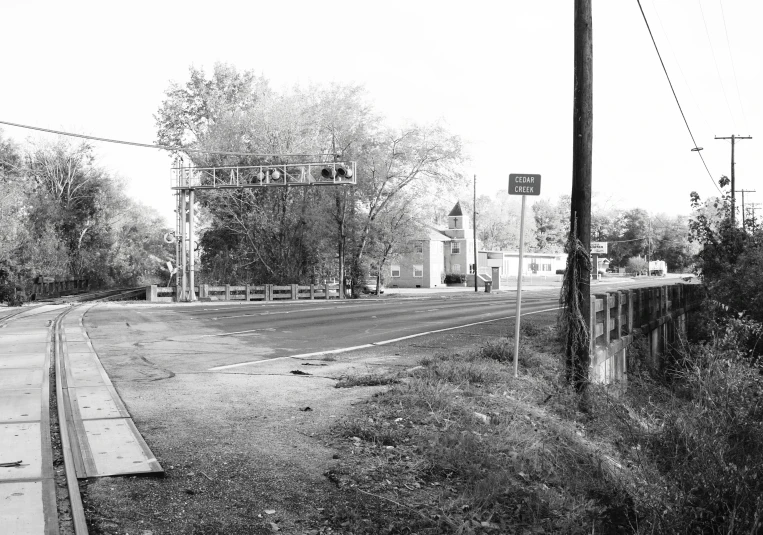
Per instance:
(523,185)
(598,247)
(520,184)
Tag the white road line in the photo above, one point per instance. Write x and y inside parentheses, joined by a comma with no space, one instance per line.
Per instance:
(316,354)
(366,346)
(237,332)
(459,327)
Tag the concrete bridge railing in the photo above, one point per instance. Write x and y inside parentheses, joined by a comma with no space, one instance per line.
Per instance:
(248,292)
(659,313)
(44,287)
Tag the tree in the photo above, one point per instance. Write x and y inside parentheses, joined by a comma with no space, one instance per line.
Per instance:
(552,223)
(631,236)
(415,160)
(283,234)
(637,265)
(671,243)
(498,222)
(13,191)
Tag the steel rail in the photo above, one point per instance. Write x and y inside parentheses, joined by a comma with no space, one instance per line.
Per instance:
(76,508)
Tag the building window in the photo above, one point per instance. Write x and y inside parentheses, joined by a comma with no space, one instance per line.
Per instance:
(471,268)
(418,247)
(395,271)
(456,268)
(418,271)
(545,267)
(455,247)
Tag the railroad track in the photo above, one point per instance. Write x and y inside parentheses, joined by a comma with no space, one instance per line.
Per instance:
(61,419)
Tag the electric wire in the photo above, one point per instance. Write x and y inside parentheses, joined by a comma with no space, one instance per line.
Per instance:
(733,67)
(678,64)
(149,145)
(715,61)
(675,96)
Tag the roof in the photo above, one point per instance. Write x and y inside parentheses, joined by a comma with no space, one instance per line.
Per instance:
(437,235)
(456,210)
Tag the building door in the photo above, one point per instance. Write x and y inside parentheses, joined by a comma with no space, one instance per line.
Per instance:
(496,278)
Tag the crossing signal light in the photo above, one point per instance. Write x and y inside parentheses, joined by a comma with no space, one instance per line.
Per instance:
(338,172)
(344,173)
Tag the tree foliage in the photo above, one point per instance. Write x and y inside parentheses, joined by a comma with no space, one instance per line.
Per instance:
(296,234)
(63,216)
(731,258)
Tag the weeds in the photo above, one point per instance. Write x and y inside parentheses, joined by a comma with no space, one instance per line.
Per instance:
(369,379)
(482,452)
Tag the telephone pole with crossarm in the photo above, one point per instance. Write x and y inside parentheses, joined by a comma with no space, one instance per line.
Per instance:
(733,180)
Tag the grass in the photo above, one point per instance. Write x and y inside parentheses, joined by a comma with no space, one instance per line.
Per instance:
(462,446)
(368,379)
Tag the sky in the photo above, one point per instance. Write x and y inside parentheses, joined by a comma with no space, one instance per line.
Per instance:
(497,73)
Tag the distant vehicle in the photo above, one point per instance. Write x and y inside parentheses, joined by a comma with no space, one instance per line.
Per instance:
(369,286)
(658,268)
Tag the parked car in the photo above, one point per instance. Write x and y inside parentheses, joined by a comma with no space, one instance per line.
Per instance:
(369,286)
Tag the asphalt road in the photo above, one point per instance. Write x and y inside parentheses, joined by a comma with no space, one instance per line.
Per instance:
(155,342)
(305,329)
(313,328)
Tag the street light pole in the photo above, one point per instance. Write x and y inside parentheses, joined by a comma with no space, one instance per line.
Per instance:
(474,224)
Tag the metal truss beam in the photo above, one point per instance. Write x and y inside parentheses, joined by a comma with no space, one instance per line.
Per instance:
(257,176)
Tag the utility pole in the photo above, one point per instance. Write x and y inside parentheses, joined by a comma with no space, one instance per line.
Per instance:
(474,224)
(743,191)
(578,299)
(733,183)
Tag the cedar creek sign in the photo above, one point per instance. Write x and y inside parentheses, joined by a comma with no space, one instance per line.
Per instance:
(520,184)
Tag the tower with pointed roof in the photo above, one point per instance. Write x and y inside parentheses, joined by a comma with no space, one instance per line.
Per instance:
(458,224)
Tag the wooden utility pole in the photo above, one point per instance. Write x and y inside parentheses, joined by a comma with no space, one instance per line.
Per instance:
(474,224)
(743,191)
(733,182)
(578,344)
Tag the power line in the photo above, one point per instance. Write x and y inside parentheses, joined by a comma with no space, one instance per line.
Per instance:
(676,97)
(148,145)
(715,61)
(678,64)
(733,67)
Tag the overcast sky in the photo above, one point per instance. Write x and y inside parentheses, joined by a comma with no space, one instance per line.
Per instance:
(499,73)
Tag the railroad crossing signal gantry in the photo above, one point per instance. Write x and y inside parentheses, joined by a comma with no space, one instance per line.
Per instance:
(185,180)
(257,176)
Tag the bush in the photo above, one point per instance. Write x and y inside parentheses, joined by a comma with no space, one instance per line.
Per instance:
(455,278)
(560,271)
(11,295)
(636,265)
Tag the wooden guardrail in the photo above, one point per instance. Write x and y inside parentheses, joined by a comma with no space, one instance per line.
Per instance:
(249,292)
(618,317)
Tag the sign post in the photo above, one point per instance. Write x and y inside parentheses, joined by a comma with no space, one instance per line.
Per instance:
(523,185)
(597,248)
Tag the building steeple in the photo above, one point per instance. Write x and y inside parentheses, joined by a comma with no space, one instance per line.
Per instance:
(456,219)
